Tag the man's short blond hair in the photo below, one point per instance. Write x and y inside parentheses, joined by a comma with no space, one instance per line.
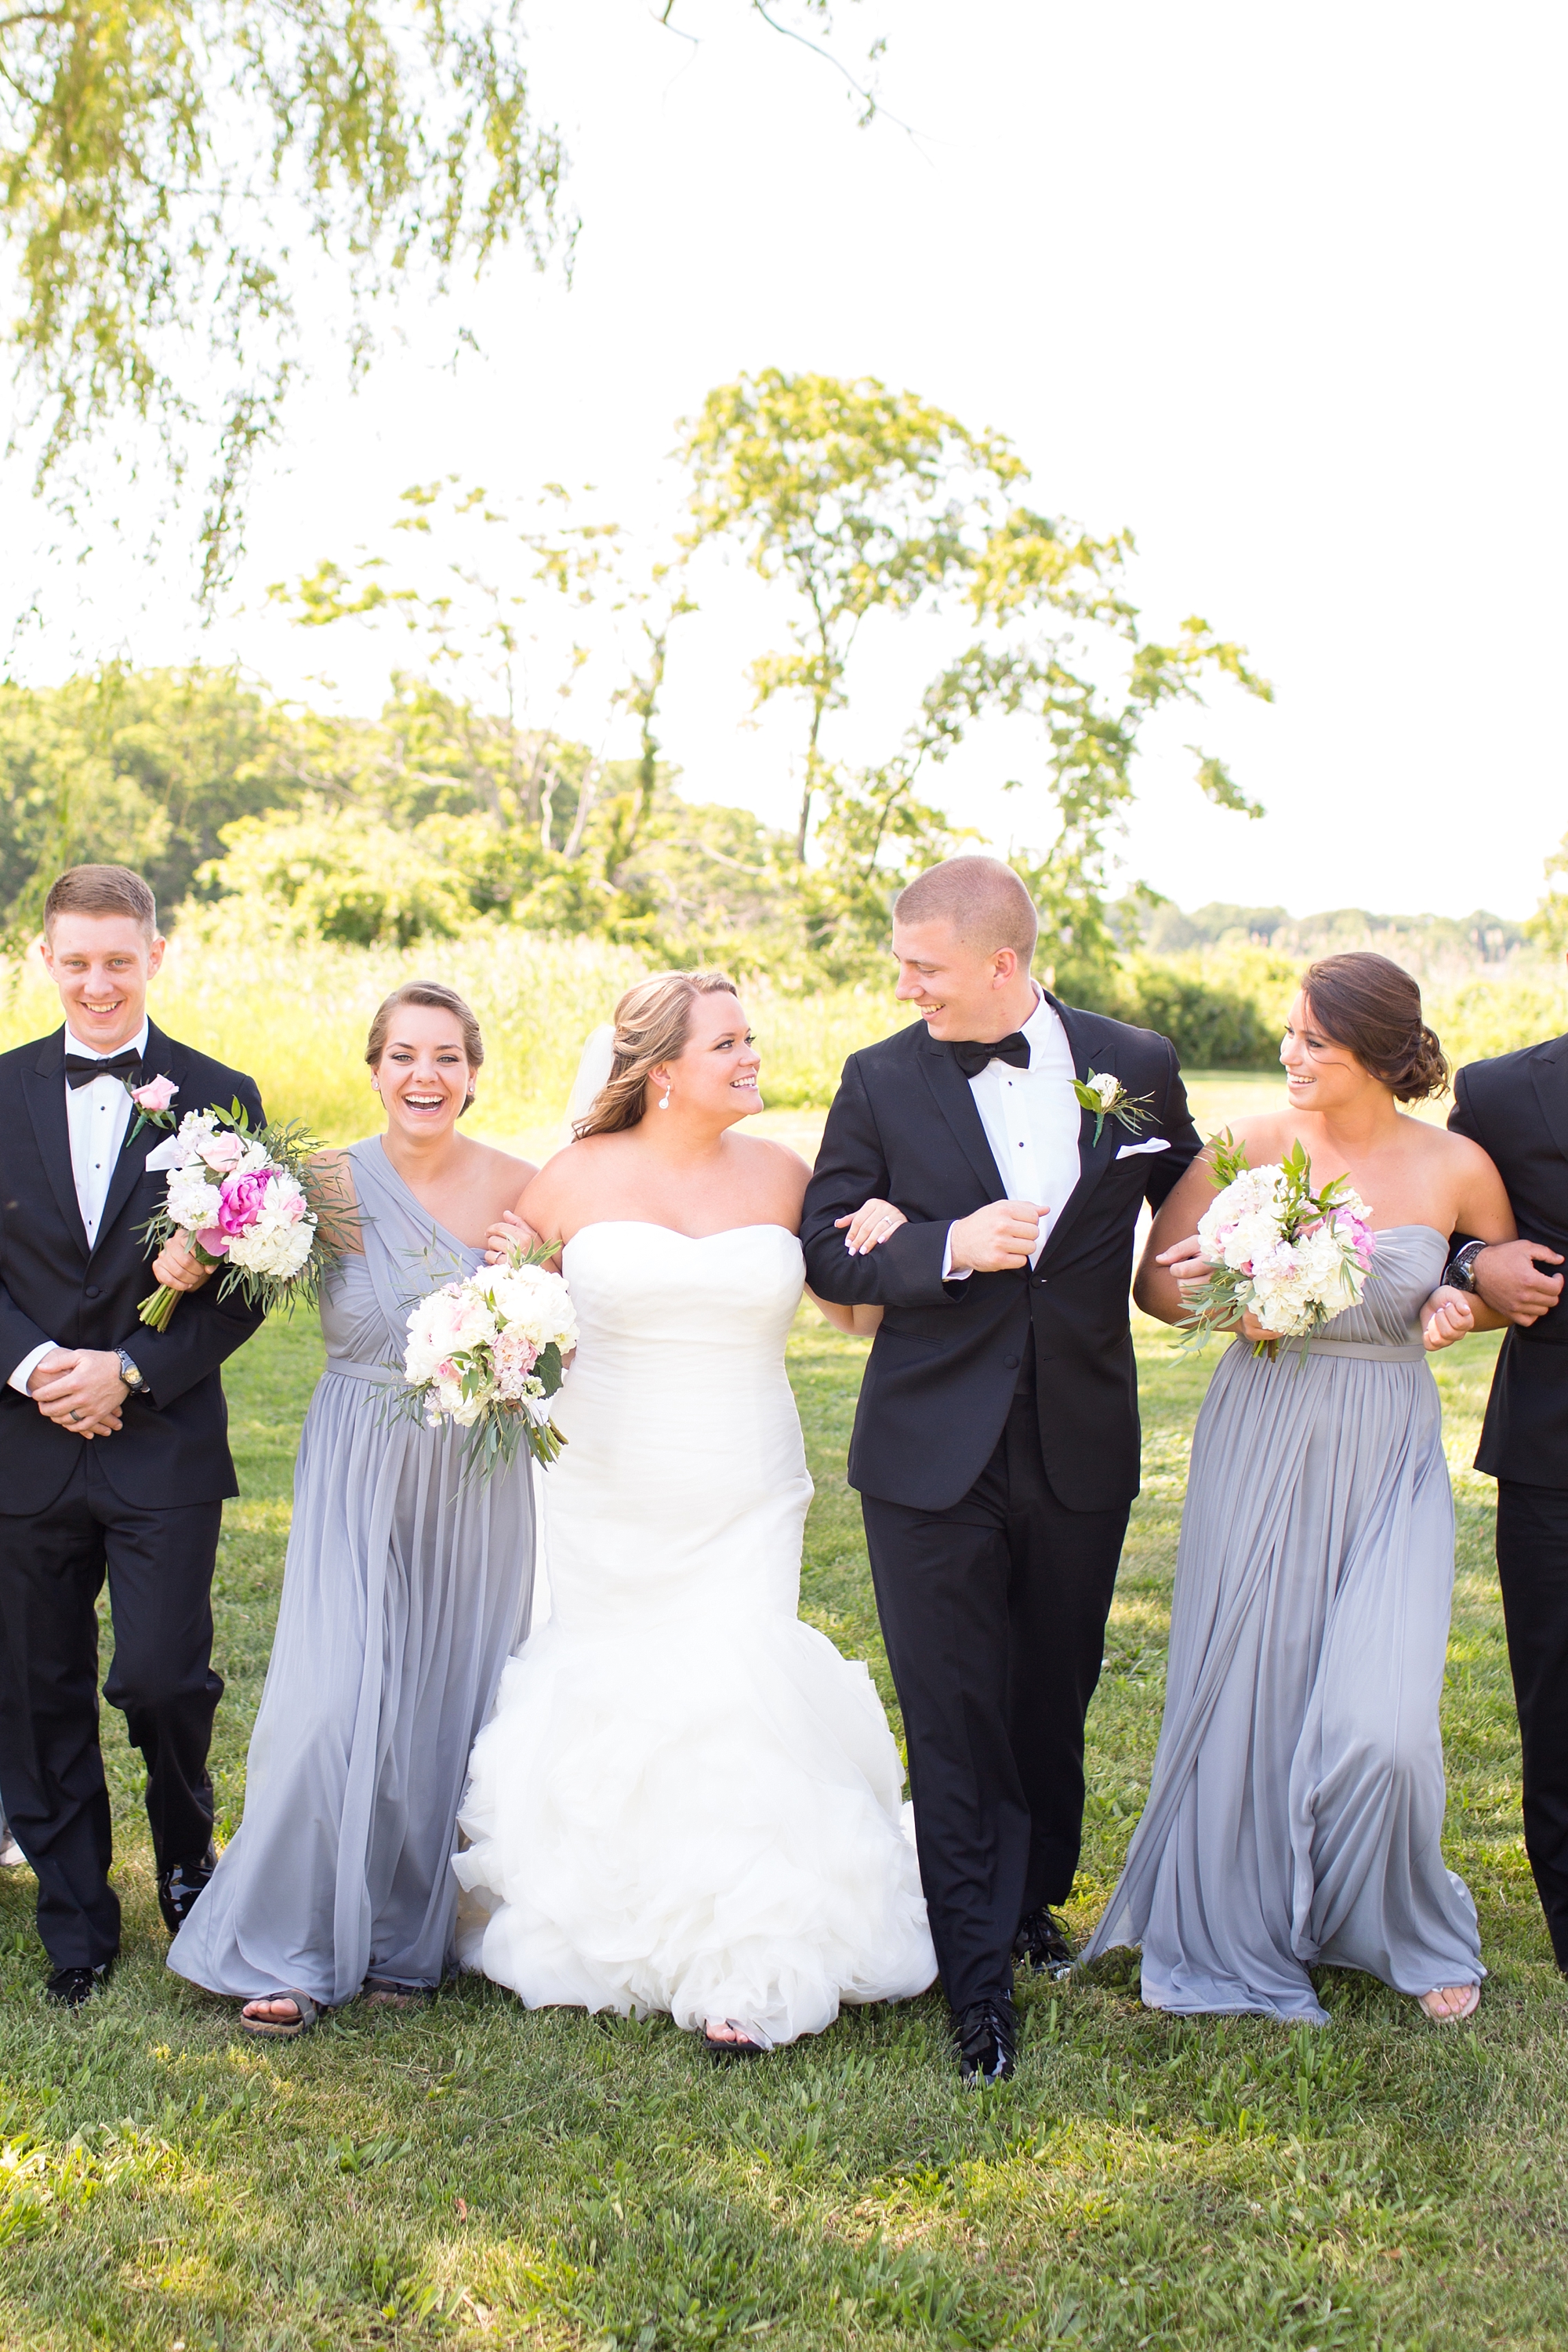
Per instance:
(102,890)
(984,900)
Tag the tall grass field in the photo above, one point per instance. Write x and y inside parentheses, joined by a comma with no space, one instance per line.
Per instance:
(296,1019)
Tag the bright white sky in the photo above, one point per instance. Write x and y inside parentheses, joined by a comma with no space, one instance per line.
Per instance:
(1280,288)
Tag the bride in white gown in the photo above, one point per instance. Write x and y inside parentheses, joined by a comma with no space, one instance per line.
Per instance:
(684,1800)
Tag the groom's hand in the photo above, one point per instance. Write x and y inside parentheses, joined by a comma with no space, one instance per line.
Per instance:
(82,1389)
(996,1239)
(1512,1278)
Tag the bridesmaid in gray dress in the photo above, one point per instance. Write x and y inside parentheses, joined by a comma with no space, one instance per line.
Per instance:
(405,1590)
(1296,1814)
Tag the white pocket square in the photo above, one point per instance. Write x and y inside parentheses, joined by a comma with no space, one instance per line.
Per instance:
(167,1155)
(1155,1143)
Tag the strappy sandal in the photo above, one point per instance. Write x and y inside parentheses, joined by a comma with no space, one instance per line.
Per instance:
(753,2042)
(282,2029)
(390,1992)
(1451,2016)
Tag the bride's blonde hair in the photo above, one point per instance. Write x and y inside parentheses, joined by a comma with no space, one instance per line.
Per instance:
(652,1022)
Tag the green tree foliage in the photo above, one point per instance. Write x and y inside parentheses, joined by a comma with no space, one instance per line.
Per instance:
(167,167)
(866,501)
(1549,924)
(142,767)
(163,158)
(859,499)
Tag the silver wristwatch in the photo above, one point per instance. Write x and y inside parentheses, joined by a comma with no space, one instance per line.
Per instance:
(130,1372)
(1460,1270)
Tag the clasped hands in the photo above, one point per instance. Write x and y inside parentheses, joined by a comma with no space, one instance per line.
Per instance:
(83,1389)
(1445,1316)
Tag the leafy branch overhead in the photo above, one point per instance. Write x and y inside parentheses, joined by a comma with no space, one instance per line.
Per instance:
(865,501)
(173,173)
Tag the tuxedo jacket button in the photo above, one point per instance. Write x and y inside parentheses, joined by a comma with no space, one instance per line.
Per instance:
(90,1292)
(1010,1363)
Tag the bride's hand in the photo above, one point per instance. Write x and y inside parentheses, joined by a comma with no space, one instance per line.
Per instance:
(1448,1315)
(510,1233)
(174,1267)
(872,1223)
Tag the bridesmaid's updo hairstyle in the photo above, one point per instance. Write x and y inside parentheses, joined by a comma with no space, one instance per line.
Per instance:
(652,1022)
(1373,1007)
(440,999)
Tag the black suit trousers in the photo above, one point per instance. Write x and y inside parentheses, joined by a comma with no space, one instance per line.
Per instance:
(159,1564)
(994,1613)
(1532,1568)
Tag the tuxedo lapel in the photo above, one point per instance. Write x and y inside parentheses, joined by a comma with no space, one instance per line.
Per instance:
(956,1104)
(1093,1158)
(45,1088)
(1548,1075)
(162,1058)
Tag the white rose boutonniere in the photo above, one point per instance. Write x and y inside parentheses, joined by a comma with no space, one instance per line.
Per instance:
(1103,1093)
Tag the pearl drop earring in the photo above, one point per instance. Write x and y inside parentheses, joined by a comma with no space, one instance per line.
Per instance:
(664,1099)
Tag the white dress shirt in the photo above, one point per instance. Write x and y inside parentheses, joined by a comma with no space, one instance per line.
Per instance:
(1032,1120)
(97,1117)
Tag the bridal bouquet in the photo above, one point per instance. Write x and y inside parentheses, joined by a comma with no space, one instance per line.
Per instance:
(247,1202)
(1293,1256)
(487,1353)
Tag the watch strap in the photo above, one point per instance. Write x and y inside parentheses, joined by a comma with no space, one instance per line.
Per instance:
(1460,1271)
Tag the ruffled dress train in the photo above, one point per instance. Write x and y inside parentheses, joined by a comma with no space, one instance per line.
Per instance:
(686,1799)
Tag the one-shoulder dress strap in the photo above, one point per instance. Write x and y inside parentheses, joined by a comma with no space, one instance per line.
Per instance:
(406,1253)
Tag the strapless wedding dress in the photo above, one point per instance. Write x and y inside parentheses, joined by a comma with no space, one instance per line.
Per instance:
(685,1798)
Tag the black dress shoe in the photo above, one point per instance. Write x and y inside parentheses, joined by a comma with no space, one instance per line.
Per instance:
(1042,1944)
(70,1987)
(986,2034)
(180,1885)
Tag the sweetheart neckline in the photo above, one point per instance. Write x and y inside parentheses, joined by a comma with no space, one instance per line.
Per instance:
(651,1225)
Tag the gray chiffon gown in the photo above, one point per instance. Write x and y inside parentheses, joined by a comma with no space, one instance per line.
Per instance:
(405,1590)
(1295,1816)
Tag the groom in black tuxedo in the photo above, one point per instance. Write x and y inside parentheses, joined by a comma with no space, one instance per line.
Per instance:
(996,1443)
(1516,1109)
(114,1437)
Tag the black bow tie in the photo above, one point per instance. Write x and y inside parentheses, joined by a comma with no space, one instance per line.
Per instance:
(972,1058)
(81,1072)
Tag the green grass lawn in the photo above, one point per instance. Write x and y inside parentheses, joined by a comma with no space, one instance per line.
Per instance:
(476,2174)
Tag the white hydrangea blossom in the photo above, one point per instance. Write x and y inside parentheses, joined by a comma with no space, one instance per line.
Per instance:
(473,1349)
(1293,1285)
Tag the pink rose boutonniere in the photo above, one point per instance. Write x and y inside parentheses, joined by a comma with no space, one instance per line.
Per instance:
(151,1100)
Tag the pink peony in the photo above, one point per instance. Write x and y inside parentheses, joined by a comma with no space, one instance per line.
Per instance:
(155,1095)
(239,1201)
(213,1240)
(515,1358)
(221,1151)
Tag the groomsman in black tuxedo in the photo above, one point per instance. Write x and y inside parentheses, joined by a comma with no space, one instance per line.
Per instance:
(1516,1109)
(996,1440)
(114,1437)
